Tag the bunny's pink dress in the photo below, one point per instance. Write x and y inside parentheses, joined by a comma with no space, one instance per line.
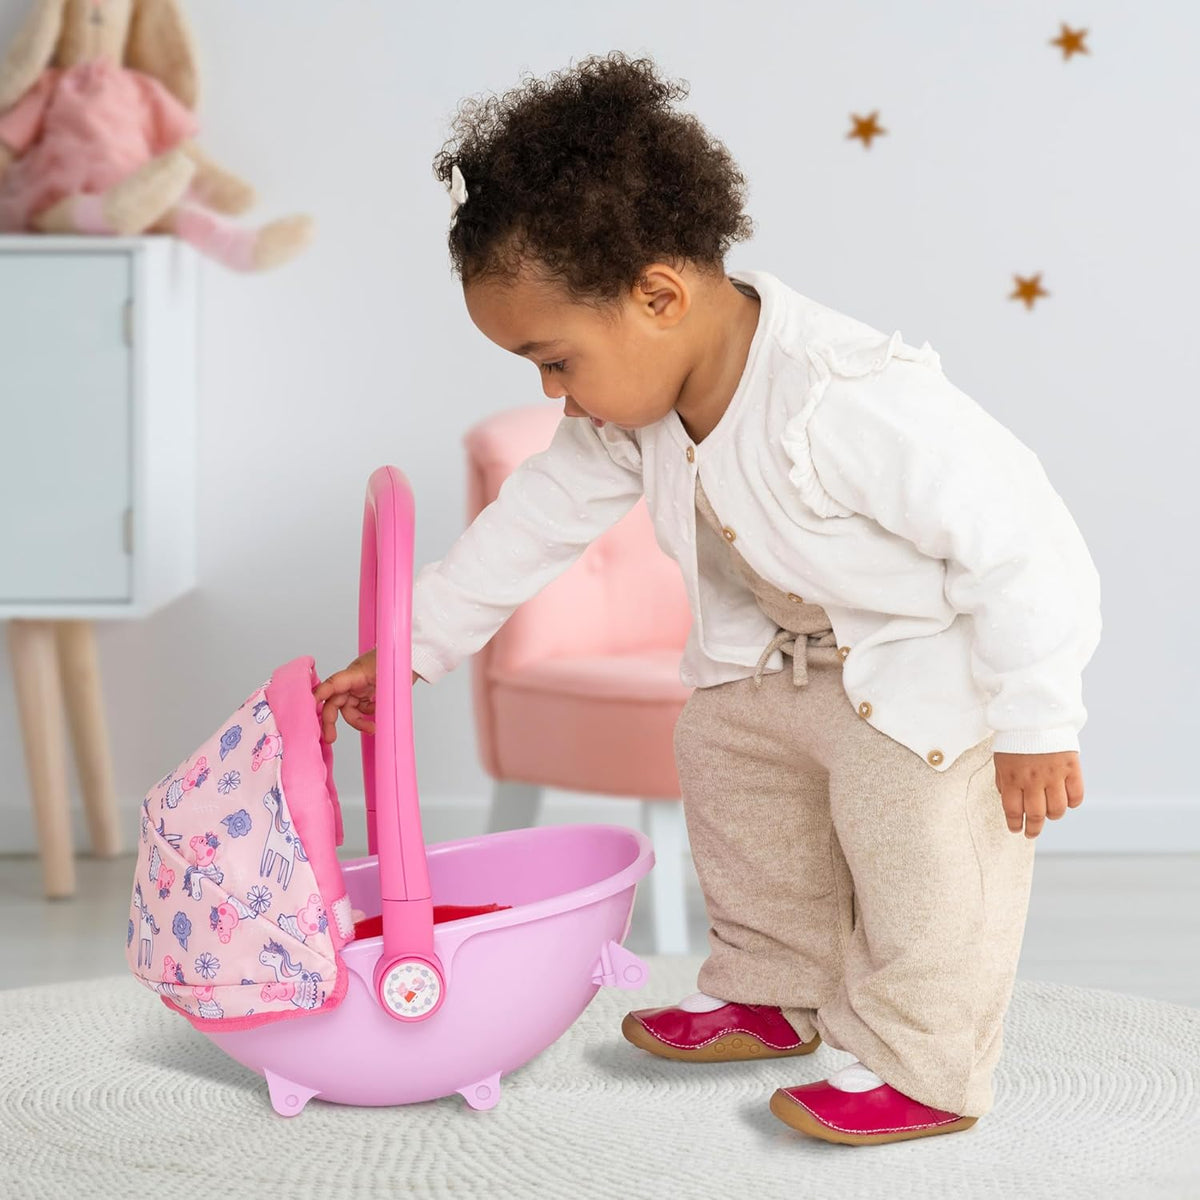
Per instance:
(84,129)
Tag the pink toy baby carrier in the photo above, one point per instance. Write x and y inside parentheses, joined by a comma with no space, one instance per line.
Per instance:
(241,911)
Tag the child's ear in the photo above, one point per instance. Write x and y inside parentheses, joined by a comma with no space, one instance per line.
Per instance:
(32,50)
(160,44)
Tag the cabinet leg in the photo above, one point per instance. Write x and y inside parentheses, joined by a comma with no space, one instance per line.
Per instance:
(40,705)
(79,666)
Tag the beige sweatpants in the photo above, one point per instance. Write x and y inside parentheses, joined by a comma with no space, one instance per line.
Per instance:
(875,900)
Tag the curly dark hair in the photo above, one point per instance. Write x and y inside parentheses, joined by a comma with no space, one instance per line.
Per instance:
(586,179)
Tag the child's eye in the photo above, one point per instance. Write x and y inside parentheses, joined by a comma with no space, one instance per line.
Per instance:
(555,366)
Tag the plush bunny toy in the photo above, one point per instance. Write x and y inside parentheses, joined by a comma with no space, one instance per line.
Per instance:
(96,117)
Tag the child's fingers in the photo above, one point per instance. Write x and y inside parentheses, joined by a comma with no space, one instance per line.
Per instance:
(351,714)
(329,717)
(353,717)
(329,713)
(348,679)
(349,691)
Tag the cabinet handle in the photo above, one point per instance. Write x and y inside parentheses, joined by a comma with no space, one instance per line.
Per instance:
(127,531)
(127,322)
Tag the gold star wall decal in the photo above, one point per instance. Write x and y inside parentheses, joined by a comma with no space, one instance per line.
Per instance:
(1071,41)
(1028,289)
(865,128)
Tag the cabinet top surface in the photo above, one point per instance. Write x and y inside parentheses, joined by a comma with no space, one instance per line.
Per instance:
(53,243)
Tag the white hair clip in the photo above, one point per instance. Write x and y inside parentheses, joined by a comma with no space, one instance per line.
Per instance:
(457,187)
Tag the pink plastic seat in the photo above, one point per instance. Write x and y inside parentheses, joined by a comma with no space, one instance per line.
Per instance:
(594,658)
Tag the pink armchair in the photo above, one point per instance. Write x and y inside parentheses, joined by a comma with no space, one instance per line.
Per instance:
(580,689)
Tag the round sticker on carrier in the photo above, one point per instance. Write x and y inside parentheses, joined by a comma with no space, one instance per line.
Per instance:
(411,989)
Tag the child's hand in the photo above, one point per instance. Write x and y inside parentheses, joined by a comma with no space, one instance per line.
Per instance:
(1037,786)
(350,691)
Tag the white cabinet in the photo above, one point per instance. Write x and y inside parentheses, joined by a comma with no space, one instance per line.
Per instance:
(98,432)
(97,489)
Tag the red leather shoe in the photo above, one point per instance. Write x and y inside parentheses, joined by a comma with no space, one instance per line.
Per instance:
(729,1033)
(861,1117)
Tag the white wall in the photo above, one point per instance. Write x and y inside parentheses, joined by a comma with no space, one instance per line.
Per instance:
(1000,158)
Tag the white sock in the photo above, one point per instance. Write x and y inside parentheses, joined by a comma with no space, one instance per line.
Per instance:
(854,1078)
(701,1002)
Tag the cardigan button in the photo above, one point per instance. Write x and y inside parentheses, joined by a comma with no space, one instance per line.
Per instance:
(935,757)
(728,534)
(795,599)
(864,709)
(691,453)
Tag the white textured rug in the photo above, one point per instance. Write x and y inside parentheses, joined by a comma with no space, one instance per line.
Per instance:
(104,1093)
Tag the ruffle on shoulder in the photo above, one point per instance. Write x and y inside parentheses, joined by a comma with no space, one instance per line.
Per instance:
(849,358)
(622,445)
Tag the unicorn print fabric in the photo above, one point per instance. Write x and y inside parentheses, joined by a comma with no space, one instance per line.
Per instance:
(239,910)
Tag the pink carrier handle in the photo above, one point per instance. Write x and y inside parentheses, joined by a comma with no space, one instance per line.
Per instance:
(389,763)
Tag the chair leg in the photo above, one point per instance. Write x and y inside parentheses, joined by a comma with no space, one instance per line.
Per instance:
(514,805)
(664,822)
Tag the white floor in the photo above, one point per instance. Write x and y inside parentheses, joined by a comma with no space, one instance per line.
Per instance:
(1128,923)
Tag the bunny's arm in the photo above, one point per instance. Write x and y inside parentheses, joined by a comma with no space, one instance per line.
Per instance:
(216,187)
(21,124)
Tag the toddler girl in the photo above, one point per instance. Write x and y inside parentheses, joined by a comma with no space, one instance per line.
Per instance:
(862,818)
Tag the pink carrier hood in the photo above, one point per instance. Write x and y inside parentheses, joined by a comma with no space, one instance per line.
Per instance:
(239,908)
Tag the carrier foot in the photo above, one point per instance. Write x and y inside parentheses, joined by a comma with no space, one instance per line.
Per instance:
(483,1095)
(287,1098)
(619,968)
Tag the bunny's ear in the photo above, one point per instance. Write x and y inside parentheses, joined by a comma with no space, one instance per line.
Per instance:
(31,51)
(160,44)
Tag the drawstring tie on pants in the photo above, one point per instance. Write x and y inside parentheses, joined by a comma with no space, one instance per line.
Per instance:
(787,641)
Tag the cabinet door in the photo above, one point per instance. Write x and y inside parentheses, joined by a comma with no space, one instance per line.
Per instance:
(65,397)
